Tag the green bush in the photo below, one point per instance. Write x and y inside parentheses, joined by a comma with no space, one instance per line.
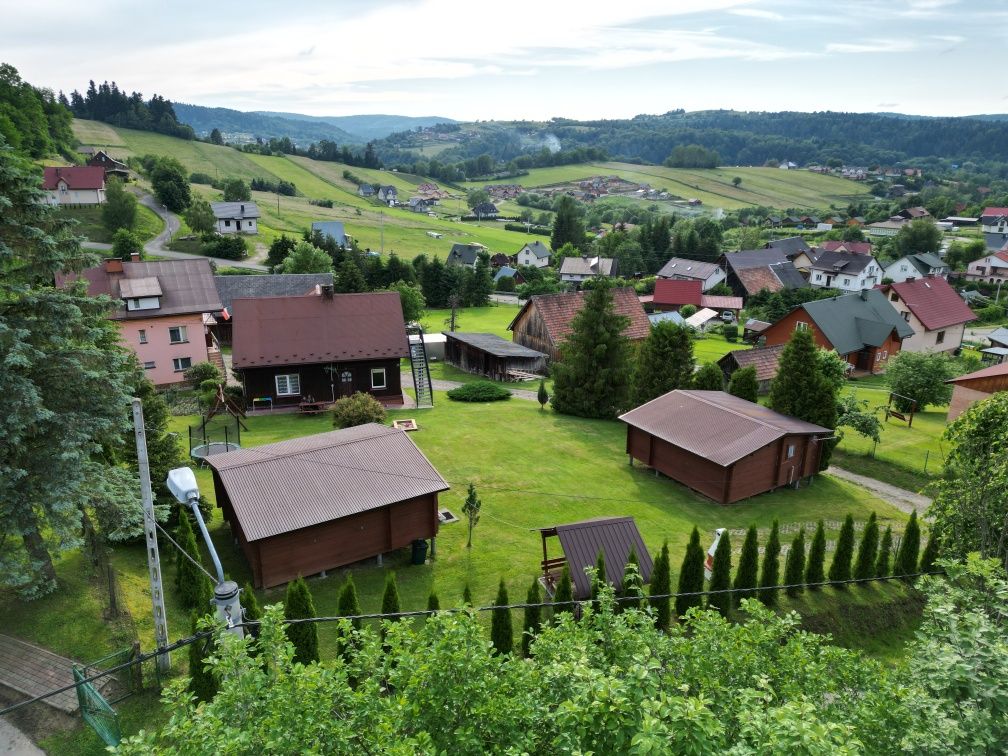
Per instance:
(226,247)
(357,409)
(731,332)
(479,391)
(201,178)
(505,283)
(203,371)
(991,313)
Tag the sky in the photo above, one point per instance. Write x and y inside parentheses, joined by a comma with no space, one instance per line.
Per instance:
(523,59)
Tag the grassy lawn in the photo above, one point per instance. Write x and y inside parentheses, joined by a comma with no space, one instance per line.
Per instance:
(90,226)
(714,346)
(494,318)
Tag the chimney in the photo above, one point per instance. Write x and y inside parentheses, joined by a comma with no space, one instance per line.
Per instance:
(243,209)
(113,265)
(864,294)
(327,291)
(134,257)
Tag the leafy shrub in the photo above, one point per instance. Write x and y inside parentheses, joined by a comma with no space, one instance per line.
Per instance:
(731,332)
(505,283)
(687,310)
(203,371)
(321,202)
(201,178)
(226,247)
(358,409)
(479,391)
(991,313)
(235,395)
(539,230)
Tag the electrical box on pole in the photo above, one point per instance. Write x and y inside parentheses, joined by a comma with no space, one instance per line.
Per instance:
(150,533)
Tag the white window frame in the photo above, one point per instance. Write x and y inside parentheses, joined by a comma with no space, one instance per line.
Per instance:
(801,325)
(384,379)
(291,384)
(150,365)
(177,365)
(183,335)
(790,451)
(142,334)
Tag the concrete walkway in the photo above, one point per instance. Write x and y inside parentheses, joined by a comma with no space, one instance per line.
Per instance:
(906,501)
(16,743)
(32,671)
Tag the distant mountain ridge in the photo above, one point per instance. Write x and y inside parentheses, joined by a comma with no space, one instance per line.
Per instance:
(203,120)
(370,126)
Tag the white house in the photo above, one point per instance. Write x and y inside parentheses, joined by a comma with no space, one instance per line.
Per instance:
(236,217)
(884,228)
(578,269)
(74,185)
(535,254)
(845,271)
(911,267)
(992,268)
(994,220)
(934,310)
(389,195)
(708,273)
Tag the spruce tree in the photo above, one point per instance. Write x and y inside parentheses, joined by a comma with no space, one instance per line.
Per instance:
(567,226)
(348,604)
(906,557)
(794,566)
(599,579)
(298,604)
(814,574)
(661,585)
(744,384)
(501,632)
(664,363)
(691,576)
(542,396)
(748,567)
(467,596)
(564,594)
(867,556)
(770,576)
(927,562)
(202,682)
(433,604)
(188,577)
(390,598)
(593,375)
(709,378)
(800,388)
(884,554)
(250,604)
(840,567)
(632,592)
(721,576)
(533,617)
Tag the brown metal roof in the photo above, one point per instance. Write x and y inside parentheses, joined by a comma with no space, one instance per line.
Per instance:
(314,329)
(715,425)
(139,287)
(558,310)
(764,359)
(187,286)
(582,541)
(289,485)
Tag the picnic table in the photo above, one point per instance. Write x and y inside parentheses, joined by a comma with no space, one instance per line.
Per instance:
(312,407)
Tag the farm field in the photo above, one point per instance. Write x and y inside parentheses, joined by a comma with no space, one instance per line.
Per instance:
(771,187)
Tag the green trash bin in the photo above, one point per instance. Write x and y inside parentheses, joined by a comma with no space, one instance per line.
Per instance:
(419,551)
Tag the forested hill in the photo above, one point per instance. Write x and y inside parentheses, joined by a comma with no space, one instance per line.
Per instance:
(747,138)
(365,127)
(268,126)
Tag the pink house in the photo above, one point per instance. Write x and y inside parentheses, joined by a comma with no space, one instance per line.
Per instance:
(162,318)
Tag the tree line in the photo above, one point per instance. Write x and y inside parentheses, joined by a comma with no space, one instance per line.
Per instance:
(107,103)
(32,120)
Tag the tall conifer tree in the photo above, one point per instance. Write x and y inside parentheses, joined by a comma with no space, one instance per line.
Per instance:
(533,617)
(840,567)
(909,548)
(794,566)
(691,576)
(501,631)
(661,585)
(298,604)
(665,362)
(721,576)
(867,556)
(564,594)
(814,573)
(748,567)
(770,576)
(884,554)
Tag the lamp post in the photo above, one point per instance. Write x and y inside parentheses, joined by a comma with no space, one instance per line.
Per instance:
(182,484)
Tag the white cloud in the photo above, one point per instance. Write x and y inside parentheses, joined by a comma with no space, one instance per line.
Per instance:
(757,13)
(872,46)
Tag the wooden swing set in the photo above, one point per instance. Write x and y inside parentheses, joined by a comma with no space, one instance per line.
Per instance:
(905,416)
(221,405)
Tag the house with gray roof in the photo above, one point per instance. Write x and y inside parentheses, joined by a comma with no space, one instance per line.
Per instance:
(750,271)
(578,269)
(792,245)
(917,265)
(464,255)
(710,274)
(534,253)
(236,217)
(366,190)
(388,194)
(863,328)
(846,271)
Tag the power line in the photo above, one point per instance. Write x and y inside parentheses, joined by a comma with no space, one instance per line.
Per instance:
(184,552)
(455,610)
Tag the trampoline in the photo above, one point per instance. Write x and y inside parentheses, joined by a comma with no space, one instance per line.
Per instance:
(214,435)
(201,451)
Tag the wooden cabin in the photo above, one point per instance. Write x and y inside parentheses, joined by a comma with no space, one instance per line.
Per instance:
(490,355)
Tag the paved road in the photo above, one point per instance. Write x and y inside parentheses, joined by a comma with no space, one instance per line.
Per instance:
(15,742)
(906,501)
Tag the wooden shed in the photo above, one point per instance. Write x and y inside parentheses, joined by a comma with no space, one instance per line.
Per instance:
(724,447)
(490,355)
(582,541)
(975,387)
(310,504)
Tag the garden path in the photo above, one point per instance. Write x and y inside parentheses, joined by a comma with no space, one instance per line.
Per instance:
(902,499)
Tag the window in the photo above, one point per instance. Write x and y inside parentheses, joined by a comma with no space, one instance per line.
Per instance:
(148,366)
(143,336)
(801,325)
(846,282)
(177,335)
(906,316)
(790,451)
(894,297)
(181,364)
(227,224)
(885,354)
(878,356)
(818,276)
(288,384)
(378,378)
(940,338)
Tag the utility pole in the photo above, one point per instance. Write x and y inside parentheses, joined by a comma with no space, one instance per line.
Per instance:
(150,533)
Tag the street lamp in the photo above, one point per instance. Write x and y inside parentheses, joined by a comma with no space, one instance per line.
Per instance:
(182,484)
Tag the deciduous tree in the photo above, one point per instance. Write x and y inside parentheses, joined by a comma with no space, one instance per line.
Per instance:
(120,207)
(125,244)
(412,300)
(709,378)
(305,258)
(202,682)
(632,592)
(471,509)
(199,216)
(922,377)
(236,190)
(170,183)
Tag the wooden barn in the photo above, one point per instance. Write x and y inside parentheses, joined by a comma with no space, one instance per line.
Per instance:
(320,348)
(544,321)
(724,447)
(490,355)
(295,510)
(582,541)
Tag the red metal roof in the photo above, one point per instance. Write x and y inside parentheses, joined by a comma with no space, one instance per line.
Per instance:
(994,371)
(313,329)
(934,302)
(994,211)
(716,302)
(858,248)
(677,292)
(715,425)
(76,177)
(289,485)
(558,310)
(765,359)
